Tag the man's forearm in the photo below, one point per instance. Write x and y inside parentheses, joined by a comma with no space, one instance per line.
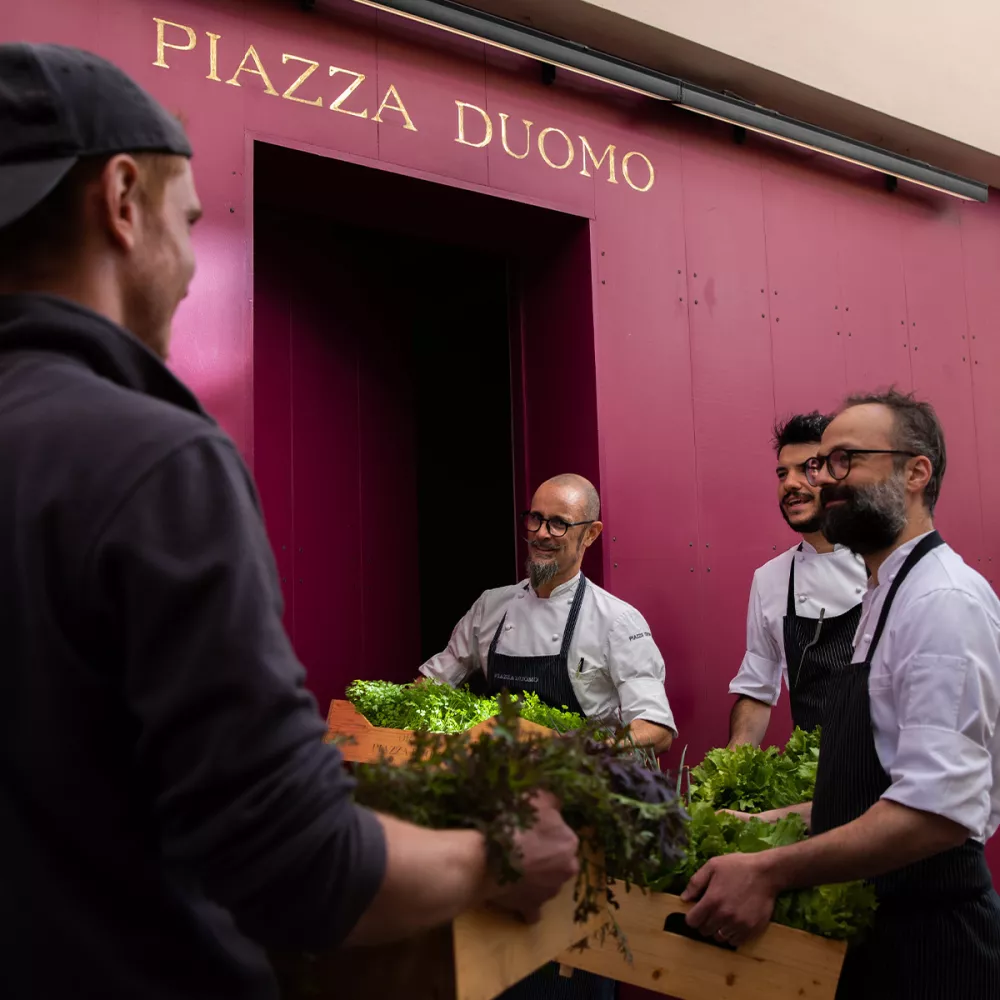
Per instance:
(803,809)
(888,836)
(748,721)
(651,734)
(431,877)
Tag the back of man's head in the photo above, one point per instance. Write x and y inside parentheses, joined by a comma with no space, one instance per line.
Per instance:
(80,141)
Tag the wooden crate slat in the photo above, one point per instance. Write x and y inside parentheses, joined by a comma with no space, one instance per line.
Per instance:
(369,741)
(782,964)
(494,951)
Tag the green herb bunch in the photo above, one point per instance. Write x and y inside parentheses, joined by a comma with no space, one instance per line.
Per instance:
(439,708)
(843,911)
(621,810)
(749,779)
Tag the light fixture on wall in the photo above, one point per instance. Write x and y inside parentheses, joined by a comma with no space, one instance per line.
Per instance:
(522,40)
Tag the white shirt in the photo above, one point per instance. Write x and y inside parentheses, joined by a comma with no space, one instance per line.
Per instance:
(935,688)
(835,581)
(614,664)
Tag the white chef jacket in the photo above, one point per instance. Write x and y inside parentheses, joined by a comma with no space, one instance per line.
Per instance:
(616,670)
(935,688)
(833,580)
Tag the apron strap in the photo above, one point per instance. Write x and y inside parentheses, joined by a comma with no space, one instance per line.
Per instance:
(574,613)
(790,611)
(927,544)
(498,633)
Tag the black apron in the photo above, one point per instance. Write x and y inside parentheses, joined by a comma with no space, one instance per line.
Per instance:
(817,652)
(937,928)
(548,677)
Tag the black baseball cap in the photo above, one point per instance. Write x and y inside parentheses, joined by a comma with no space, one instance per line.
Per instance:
(58,104)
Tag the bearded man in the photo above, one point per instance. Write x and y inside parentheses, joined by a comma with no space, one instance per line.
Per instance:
(804,605)
(908,788)
(559,635)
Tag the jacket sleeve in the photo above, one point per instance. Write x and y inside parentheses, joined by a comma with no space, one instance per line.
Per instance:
(247,796)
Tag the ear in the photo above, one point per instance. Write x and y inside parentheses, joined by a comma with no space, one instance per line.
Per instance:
(119,201)
(919,474)
(593,532)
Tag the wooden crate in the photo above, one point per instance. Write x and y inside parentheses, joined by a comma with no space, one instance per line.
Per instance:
(484,952)
(369,741)
(781,964)
(476,957)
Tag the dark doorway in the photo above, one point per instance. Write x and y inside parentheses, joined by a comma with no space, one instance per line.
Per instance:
(394,397)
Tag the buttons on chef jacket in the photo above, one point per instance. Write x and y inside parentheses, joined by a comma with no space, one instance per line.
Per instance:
(802,598)
(857,590)
(866,637)
(555,637)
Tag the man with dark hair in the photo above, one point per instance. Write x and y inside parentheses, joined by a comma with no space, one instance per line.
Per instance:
(168,805)
(908,789)
(804,604)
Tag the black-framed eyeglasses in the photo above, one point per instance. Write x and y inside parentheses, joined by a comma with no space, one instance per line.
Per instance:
(838,462)
(533,522)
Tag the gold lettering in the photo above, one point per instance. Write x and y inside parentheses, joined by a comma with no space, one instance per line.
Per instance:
(609,152)
(569,148)
(503,137)
(628,179)
(461,105)
(162,44)
(398,106)
(213,57)
(311,67)
(353,86)
(259,71)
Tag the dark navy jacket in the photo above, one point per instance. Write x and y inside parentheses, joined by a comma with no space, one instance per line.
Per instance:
(168,809)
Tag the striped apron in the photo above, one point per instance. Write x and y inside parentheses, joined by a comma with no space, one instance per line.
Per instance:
(827,645)
(937,928)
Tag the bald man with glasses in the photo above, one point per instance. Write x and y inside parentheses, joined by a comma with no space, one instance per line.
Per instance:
(559,635)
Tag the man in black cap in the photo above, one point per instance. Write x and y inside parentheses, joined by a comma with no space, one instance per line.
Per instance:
(167,804)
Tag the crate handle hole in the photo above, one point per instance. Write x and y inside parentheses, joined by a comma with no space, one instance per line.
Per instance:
(677,924)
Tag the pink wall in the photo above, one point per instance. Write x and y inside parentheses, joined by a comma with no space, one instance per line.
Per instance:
(747,282)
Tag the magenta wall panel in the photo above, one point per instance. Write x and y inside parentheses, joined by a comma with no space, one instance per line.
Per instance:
(807,342)
(942,371)
(981,256)
(729,312)
(870,261)
(646,423)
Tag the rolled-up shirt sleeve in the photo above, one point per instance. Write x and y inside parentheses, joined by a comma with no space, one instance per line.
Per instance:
(460,658)
(638,672)
(943,687)
(759,676)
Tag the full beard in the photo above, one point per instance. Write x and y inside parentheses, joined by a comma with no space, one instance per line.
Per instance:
(871,518)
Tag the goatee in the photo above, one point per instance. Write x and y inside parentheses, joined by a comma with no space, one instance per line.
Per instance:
(871,517)
(541,573)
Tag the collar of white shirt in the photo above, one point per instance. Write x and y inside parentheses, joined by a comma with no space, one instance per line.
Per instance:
(811,549)
(894,563)
(563,588)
